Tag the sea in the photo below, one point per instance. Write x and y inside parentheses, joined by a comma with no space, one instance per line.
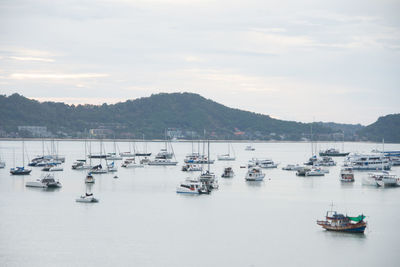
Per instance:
(140,220)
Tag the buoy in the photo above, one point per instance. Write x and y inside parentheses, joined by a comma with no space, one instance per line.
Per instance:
(115,177)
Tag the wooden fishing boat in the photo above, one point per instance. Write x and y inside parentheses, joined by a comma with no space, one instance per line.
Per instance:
(343,223)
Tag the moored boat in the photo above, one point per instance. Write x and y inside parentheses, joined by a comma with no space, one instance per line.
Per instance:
(87,198)
(46,181)
(347,174)
(254,174)
(228,173)
(332,152)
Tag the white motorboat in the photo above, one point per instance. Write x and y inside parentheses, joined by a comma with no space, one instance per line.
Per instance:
(89,178)
(228,173)
(191,168)
(162,162)
(254,174)
(347,174)
(87,198)
(191,186)
(46,181)
(291,167)
(131,163)
(325,161)
(315,172)
(98,169)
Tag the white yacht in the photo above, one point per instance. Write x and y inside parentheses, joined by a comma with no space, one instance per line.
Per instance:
(162,162)
(347,174)
(325,161)
(191,186)
(191,168)
(291,167)
(131,163)
(384,179)
(254,174)
(262,163)
(164,154)
(46,181)
(368,162)
(87,198)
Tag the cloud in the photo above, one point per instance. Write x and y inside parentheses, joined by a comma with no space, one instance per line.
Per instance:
(32,59)
(56,76)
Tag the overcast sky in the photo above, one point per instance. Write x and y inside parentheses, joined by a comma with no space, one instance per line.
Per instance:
(294,60)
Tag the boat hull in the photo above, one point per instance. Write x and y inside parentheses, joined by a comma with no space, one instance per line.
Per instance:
(351,228)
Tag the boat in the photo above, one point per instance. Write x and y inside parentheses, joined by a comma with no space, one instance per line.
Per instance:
(384,179)
(80,164)
(162,162)
(315,172)
(87,198)
(196,158)
(325,161)
(127,154)
(228,173)
(208,178)
(262,163)
(191,168)
(52,168)
(143,153)
(21,170)
(89,179)
(254,174)
(192,186)
(46,181)
(145,161)
(98,169)
(312,161)
(131,163)
(249,148)
(111,167)
(333,152)
(228,156)
(363,162)
(97,156)
(341,223)
(302,171)
(113,156)
(347,174)
(291,167)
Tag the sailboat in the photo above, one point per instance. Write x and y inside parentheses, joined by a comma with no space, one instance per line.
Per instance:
(228,156)
(143,153)
(98,169)
(21,170)
(113,155)
(208,178)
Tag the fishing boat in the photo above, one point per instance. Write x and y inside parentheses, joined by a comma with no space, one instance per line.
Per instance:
(87,198)
(89,179)
(291,167)
(347,174)
(21,170)
(228,173)
(46,181)
(341,223)
(333,152)
(192,186)
(254,174)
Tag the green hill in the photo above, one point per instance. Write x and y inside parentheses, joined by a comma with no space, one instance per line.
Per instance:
(185,112)
(386,127)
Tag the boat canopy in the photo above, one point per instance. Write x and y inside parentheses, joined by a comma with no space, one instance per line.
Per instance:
(359,218)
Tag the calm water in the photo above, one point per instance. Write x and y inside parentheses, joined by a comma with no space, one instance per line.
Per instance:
(141,221)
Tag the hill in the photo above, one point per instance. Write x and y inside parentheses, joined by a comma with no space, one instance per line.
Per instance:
(386,127)
(184,114)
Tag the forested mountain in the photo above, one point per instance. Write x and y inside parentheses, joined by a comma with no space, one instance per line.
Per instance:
(183,114)
(386,127)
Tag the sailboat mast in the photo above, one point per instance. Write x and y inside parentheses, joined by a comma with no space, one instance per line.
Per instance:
(208,155)
(311,139)
(23,153)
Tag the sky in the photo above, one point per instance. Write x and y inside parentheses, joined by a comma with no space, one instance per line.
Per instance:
(302,60)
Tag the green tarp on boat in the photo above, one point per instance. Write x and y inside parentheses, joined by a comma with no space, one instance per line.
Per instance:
(359,218)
